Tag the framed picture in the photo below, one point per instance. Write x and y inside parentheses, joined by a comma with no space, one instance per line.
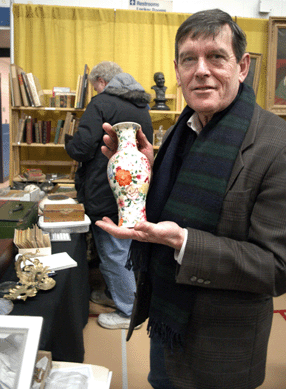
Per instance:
(19,342)
(276,66)
(253,76)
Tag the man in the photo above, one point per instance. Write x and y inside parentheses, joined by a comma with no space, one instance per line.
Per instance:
(214,251)
(120,98)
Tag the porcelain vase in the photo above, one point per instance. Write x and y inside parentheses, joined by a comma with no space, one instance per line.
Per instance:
(129,173)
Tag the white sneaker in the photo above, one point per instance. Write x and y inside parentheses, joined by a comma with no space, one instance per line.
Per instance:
(99,297)
(114,321)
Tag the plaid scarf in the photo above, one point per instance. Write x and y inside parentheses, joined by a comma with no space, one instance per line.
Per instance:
(190,176)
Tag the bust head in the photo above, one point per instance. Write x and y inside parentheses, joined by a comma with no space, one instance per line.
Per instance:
(159,79)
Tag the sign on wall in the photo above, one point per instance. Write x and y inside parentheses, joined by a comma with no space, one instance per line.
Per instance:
(151,5)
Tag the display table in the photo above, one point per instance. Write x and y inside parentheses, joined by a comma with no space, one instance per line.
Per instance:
(65,308)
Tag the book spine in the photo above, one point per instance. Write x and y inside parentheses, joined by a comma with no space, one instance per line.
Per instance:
(23,90)
(44,132)
(15,86)
(28,90)
(48,130)
(58,130)
(37,133)
(40,125)
(29,130)
(33,88)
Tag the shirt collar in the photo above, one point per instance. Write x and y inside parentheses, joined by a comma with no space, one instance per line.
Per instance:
(194,123)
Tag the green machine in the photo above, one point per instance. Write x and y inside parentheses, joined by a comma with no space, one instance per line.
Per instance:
(17,215)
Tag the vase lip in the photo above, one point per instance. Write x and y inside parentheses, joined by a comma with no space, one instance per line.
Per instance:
(125,124)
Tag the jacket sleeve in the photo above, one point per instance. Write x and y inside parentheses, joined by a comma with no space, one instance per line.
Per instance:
(89,135)
(249,252)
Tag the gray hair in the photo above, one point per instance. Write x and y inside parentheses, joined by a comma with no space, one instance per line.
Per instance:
(106,70)
(209,23)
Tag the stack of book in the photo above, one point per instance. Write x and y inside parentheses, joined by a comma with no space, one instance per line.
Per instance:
(62,97)
(25,88)
(33,130)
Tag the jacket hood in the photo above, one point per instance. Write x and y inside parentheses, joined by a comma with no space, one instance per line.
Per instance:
(126,87)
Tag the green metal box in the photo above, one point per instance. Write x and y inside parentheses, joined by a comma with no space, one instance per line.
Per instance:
(17,214)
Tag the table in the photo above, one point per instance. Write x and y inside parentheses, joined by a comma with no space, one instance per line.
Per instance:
(65,308)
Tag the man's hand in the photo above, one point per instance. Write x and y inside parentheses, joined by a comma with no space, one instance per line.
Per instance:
(166,233)
(111,143)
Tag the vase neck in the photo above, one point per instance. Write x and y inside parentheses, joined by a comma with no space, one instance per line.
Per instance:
(126,138)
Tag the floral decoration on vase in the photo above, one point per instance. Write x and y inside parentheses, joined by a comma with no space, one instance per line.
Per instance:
(129,173)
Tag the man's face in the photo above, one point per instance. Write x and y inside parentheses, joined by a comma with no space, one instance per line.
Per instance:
(209,74)
(99,85)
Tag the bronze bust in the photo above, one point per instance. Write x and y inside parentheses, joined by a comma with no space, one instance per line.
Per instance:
(160,89)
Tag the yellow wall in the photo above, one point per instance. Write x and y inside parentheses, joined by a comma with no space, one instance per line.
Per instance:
(55,42)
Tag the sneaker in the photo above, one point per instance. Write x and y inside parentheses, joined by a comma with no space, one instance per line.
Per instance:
(99,297)
(114,321)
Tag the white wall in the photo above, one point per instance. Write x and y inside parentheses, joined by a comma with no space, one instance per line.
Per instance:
(240,8)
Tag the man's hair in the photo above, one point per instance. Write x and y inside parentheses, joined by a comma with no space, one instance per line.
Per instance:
(106,70)
(209,23)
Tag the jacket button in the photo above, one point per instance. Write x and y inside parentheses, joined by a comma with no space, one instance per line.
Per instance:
(207,282)
(200,281)
(193,278)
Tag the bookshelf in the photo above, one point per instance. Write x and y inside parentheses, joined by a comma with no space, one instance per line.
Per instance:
(49,157)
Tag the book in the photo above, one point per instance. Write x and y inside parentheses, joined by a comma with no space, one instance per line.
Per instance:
(40,127)
(77,91)
(66,127)
(37,133)
(29,130)
(80,81)
(46,131)
(60,90)
(15,86)
(21,129)
(84,86)
(28,90)
(58,130)
(36,90)
(64,100)
(22,87)
(58,261)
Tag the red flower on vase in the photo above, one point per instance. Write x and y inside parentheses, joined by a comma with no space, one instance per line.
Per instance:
(123,177)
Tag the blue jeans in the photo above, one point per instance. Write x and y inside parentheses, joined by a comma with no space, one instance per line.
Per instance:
(158,377)
(113,254)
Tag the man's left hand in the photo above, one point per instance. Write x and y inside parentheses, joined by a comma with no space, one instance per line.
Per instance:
(166,233)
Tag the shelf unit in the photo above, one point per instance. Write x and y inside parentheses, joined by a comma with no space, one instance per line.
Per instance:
(37,155)
(50,157)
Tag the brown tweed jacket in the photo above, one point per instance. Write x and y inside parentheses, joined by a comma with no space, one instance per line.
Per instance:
(236,272)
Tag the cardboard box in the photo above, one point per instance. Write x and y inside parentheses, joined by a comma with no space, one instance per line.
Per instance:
(42,368)
(63,212)
(20,195)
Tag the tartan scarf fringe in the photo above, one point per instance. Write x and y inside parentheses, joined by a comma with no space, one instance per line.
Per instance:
(167,335)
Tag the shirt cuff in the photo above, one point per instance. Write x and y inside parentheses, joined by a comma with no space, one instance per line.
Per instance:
(180,253)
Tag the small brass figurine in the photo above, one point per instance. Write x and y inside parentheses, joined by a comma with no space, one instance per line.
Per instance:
(32,277)
(160,89)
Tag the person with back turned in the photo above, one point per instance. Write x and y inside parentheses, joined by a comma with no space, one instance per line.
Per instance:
(119,98)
